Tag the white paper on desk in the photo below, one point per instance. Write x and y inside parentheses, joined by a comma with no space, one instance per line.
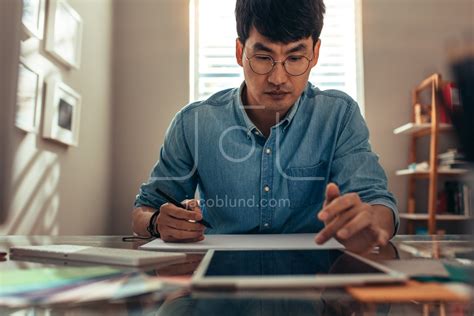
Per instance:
(246,242)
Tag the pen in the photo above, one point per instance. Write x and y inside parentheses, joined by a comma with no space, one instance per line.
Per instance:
(178,204)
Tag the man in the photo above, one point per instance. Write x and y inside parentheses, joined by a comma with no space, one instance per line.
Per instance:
(276,155)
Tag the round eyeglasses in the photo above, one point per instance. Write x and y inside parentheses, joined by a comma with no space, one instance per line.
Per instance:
(295,65)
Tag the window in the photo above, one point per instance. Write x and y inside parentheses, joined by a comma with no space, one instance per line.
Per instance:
(213,34)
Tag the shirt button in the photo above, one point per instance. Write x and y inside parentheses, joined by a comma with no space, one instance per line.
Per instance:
(268,151)
(266,225)
(266,188)
(256,133)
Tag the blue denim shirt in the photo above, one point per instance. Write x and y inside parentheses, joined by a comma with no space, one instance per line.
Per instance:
(251,184)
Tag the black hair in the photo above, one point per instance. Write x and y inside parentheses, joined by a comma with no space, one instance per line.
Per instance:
(282,21)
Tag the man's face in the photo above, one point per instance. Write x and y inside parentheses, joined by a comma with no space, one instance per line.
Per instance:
(276,90)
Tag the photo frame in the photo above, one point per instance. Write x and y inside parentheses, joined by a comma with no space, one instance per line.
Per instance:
(62,113)
(29,101)
(64,33)
(33,17)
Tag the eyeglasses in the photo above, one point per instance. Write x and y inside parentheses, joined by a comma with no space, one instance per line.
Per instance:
(295,65)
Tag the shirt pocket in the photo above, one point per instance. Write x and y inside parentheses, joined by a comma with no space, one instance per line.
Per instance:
(306,185)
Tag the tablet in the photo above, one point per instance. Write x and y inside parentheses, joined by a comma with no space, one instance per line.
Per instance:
(252,269)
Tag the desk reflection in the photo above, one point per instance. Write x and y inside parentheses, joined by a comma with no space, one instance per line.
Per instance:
(330,301)
(193,305)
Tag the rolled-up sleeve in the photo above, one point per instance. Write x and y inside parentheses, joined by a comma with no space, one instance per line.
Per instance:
(175,171)
(356,167)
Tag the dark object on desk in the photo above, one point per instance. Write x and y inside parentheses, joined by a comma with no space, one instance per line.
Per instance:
(465,255)
(178,204)
(3,256)
(463,118)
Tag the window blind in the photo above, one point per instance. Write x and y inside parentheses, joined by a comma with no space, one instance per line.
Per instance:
(215,66)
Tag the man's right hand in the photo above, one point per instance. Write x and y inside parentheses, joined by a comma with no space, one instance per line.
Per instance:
(177,224)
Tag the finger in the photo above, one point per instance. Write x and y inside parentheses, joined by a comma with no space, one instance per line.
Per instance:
(332,192)
(175,240)
(180,213)
(365,248)
(169,238)
(355,225)
(383,237)
(200,238)
(365,240)
(171,234)
(339,205)
(180,224)
(333,227)
(192,205)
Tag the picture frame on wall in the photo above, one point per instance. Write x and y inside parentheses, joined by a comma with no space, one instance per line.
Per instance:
(62,113)
(29,98)
(33,17)
(64,33)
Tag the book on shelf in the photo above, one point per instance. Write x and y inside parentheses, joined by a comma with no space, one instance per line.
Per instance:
(452,153)
(467,198)
(451,100)
(452,166)
(452,159)
(456,198)
(448,162)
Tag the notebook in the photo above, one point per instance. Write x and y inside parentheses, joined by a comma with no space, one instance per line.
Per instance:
(102,255)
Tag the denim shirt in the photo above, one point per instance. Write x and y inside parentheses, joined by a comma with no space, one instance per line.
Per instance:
(248,183)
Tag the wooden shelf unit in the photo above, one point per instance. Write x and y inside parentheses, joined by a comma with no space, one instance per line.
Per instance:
(415,131)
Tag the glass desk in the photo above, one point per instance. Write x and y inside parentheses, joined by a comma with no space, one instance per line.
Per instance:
(335,301)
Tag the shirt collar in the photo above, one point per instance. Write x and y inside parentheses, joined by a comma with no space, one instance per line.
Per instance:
(291,113)
(249,125)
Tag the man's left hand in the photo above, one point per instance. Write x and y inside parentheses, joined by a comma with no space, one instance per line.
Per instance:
(357,225)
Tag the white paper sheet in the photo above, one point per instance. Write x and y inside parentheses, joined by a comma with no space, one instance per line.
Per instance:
(245,242)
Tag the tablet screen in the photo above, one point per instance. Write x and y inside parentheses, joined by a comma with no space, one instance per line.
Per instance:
(286,262)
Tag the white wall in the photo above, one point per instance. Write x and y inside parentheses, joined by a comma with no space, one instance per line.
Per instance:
(61,190)
(404,41)
(151,84)
(10,11)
